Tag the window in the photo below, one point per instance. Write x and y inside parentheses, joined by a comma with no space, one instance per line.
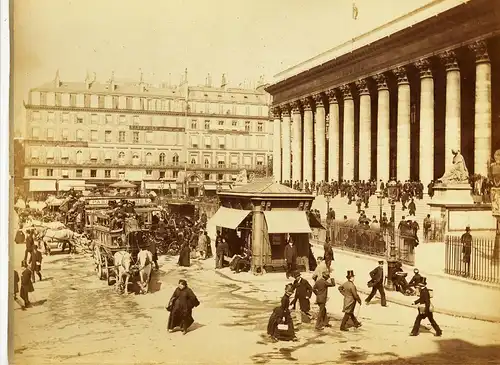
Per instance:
(247,142)
(234,161)
(93,136)
(235,142)
(222,142)
(50,134)
(129,102)
(135,160)
(116,102)
(50,172)
(79,173)
(86,100)
(260,111)
(260,127)
(50,117)
(260,142)
(149,158)
(149,137)
(247,126)
(136,120)
(65,174)
(221,108)
(79,157)
(93,173)
(208,142)
(207,176)
(34,172)
(194,141)
(247,110)
(149,172)
(34,155)
(162,174)
(100,101)
(193,161)
(194,124)
(175,174)
(35,133)
(107,136)
(93,157)
(136,137)
(175,159)
(123,119)
(108,119)
(220,176)
(49,157)
(79,119)
(107,173)
(234,123)
(65,118)
(79,135)
(260,161)
(35,116)
(121,175)
(221,164)
(207,124)
(121,136)
(93,119)
(221,123)
(162,159)
(121,158)
(206,162)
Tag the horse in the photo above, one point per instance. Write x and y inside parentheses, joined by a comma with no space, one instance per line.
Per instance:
(62,237)
(122,264)
(145,260)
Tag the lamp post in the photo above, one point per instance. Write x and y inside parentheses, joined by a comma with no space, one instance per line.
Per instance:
(328,198)
(380,198)
(391,260)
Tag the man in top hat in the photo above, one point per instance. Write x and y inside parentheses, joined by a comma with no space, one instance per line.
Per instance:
(290,258)
(350,293)
(321,290)
(377,281)
(303,291)
(466,241)
(424,310)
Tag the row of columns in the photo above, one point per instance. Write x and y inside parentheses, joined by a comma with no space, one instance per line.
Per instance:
(286,169)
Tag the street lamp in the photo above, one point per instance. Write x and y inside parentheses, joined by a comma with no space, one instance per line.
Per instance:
(392,191)
(328,198)
(380,198)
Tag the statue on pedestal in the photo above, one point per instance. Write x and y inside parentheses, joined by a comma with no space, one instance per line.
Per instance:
(458,172)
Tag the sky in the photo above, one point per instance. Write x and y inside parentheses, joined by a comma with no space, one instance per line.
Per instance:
(242,38)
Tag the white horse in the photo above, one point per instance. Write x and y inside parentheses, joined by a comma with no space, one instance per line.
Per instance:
(145,259)
(122,264)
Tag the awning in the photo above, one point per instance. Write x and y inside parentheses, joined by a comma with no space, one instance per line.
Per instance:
(50,154)
(314,222)
(94,154)
(228,218)
(157,185)
(107,155)
(34,153)
(42,185)
(65,185)
(64,153)
(287,221)
(209,187)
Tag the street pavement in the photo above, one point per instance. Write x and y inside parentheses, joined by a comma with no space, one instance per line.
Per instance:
(78,319)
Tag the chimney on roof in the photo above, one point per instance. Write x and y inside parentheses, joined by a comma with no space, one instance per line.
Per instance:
(223,82)
(88,81)
(112,85)
(57,80)
(209,80)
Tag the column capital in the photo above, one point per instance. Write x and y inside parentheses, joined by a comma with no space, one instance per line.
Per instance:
(295,106)
(285,110)
(362,87)
(480,49)
(318,100)
(401,74)
(449,59)
(346,91)
(276,112)
(381,81)
(424,67)
(307,103)
(332,96)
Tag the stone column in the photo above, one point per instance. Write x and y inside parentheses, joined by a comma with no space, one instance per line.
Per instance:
(296,142)
(277,163)
(426,154)
(308,162)
(319,139)
(482,115)
(348,150)
(365,131)
(333,137)
(404,137)
(258,252)
(452,116)
(286,140)
(383,131)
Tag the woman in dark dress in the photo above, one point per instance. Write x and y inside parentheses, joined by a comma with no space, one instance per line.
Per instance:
(280,325)
(181,307)
(184,254)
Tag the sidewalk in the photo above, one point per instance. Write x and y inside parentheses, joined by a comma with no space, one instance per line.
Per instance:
(451,297)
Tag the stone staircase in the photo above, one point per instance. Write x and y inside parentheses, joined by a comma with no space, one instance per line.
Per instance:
(341,207)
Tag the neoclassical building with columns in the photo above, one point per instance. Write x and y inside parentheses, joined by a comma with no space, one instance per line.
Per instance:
(395,101)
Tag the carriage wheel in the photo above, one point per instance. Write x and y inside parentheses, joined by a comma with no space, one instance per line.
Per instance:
(97,261)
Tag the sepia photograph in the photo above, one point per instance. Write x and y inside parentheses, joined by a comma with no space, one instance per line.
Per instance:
(253,182)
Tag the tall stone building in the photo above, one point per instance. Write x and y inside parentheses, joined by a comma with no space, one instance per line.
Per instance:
(89,132)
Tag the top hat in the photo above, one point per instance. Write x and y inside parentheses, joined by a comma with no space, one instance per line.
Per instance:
(381,262)
(350,274)
(467,228)
(296,274)
(415,270)
(325,274)
(423,282)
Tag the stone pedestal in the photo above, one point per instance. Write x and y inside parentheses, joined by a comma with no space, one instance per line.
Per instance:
(452,194)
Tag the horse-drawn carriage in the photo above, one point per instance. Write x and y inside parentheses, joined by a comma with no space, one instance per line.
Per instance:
(122,253)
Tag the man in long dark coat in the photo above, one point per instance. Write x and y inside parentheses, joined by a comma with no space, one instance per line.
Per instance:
(377,280)
(424,310)
(26,284)
(350,293)
(321,290)
(290,258)
(181,306)
(303,291)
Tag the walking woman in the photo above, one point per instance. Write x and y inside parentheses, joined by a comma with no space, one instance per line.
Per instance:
(280,325)
(181,307)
